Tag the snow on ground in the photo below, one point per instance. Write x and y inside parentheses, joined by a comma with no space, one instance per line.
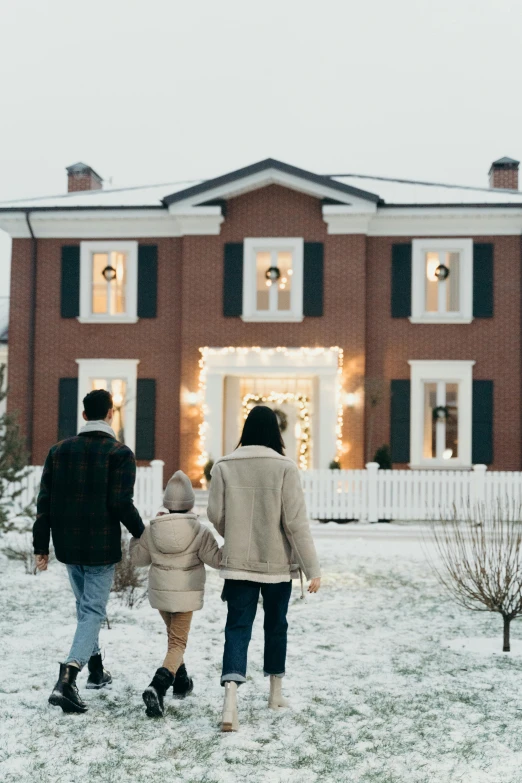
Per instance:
(377,695)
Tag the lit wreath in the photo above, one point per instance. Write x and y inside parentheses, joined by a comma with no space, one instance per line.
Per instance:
(282,419)
(441,413)
(250,400)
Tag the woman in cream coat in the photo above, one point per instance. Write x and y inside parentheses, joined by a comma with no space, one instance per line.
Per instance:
(257,504)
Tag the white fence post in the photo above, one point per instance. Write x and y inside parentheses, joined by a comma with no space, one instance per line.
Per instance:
(478,495)
(372,500)
(157,483)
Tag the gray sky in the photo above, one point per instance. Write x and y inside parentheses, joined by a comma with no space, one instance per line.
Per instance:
(150,91)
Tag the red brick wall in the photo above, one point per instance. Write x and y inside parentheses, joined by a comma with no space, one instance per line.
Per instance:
(494,343)
(504,178)
(270,212)
(60,341)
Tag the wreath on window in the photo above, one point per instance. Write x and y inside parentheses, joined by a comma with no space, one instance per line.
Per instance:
(441,413)
(282,419)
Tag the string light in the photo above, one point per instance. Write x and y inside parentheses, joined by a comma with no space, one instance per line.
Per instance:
(256,349)
(250,400)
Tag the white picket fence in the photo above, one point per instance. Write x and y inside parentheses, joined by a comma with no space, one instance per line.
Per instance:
(365,495)
(148,490)
(373,494)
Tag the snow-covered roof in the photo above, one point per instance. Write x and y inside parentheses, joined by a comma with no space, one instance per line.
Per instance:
(391,191)
(411,192)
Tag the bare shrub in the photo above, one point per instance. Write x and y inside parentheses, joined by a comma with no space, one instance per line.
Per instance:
(480,561)
(129,580)
(22,551)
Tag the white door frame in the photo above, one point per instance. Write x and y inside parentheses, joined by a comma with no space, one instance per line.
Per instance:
(320,363)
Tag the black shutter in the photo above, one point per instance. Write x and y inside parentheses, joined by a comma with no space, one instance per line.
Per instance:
(145,418)
(400,421)
(482,280)
(67,408)
(482,428)
(313,273)
(233,280)
(401,281)
(147,281)
(70,283)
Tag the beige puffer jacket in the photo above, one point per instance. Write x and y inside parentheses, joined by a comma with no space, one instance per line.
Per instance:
(257,504)
(176,546)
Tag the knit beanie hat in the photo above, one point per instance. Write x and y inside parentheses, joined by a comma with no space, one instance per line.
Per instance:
(179,495)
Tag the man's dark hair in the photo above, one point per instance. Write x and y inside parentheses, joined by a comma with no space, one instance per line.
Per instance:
(97,404)
(262,429)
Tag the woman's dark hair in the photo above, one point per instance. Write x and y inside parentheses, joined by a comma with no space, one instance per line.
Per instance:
(97,404)
(262,429)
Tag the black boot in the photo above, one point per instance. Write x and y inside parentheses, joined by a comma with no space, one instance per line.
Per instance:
(65,693)
(153,695)
(98,676)
(183,684)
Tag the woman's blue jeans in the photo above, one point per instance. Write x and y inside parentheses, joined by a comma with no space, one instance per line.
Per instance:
(91,586)
(242,598)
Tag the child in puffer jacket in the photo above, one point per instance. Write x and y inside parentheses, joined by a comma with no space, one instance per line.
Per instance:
(175,545)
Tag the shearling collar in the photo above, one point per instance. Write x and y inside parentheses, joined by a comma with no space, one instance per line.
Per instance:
(249,452)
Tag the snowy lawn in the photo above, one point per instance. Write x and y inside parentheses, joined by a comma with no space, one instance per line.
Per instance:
(384,687)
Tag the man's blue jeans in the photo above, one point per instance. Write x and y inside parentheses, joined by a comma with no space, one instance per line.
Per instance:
(91,586)
(242,597)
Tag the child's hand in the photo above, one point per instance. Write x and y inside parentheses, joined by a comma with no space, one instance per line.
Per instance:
(314,585)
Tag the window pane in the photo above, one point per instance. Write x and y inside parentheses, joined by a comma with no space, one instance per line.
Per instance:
(432,283)
(429,450)
(284,263)
(118,388)
(452,283)
(452,422)
(118,284)
(99,383)
(99,283)
(263,262)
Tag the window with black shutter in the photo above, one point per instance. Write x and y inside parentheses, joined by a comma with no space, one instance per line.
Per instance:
(70,281)
(482,423)
(67,408)
(147,281)
(401,280)
(483,281)
(400,421)
(233,280)
(313,283)
(145,418)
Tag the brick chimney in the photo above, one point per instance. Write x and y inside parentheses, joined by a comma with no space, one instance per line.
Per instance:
(504,174)
(82,177)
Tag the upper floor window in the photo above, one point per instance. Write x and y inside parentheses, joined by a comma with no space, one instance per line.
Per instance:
(442,281)
(273,280)
(108,282)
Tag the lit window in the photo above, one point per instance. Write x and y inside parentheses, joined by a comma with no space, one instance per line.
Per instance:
(119,377)
(273,274)
(441,416)
(108,282)
(442,281)
(117,387)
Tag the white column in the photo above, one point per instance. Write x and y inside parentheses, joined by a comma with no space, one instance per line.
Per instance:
(326,410)
(372,469)
(157,483)
(214,402)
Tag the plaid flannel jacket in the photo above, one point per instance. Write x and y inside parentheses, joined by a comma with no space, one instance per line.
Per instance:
(86,491)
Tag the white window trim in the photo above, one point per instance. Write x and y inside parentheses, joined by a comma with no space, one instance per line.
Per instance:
(422,372)
(418,274)
(131,293)
(127,369)
(250,247)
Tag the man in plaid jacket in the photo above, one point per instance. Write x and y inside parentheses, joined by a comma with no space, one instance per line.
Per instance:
(85,493)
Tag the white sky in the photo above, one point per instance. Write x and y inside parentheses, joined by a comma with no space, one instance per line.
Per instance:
(150,91)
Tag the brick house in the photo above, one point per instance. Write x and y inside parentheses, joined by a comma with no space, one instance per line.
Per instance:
(365,310)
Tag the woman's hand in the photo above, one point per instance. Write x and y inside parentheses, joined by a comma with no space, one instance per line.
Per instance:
(314,585)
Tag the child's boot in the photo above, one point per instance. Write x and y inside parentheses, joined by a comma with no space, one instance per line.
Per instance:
(276,698)
(230,721)
(183,684)
(153,695)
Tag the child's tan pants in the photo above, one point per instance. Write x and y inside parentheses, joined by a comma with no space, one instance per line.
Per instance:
(178,627)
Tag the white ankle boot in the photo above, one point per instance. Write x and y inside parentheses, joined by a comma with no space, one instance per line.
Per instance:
(276,698)
(230,721)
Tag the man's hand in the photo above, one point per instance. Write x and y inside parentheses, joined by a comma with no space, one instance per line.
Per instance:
(314,585)
(42,561)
